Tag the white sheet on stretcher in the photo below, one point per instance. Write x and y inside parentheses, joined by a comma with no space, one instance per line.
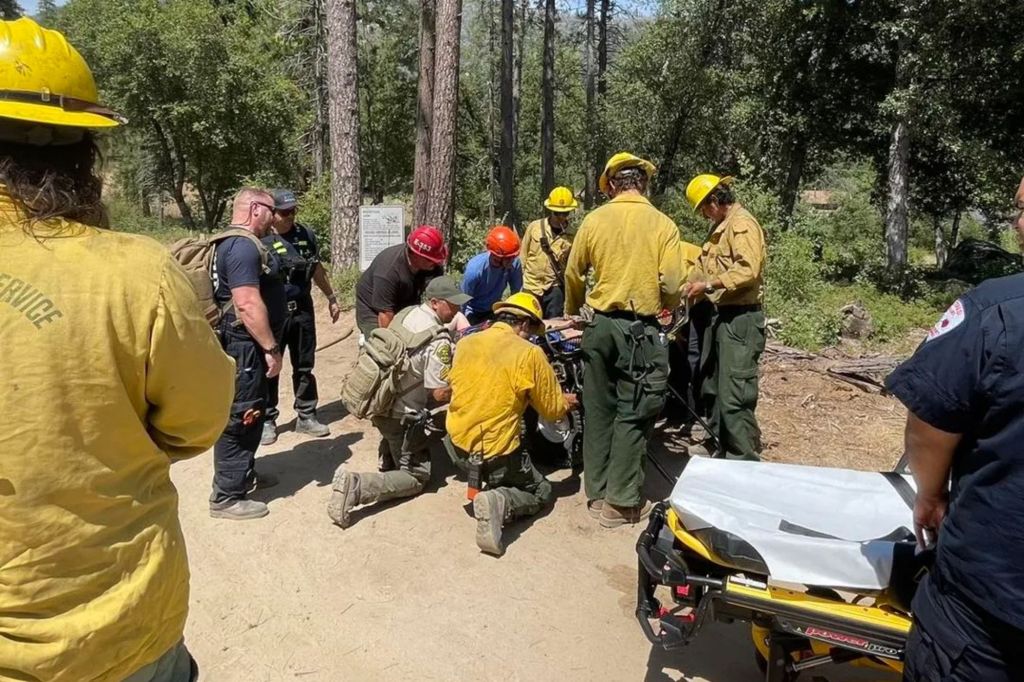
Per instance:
(752,500)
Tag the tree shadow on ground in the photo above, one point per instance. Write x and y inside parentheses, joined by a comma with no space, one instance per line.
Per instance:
(308,462)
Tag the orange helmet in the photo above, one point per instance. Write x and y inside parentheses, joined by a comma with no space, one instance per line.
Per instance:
(503,242)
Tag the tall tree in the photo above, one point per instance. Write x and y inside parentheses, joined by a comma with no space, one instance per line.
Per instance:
(346,188)
(9,9)
(506,157)
(441,207)
(320,133)
(590,115)
(424,111)
(897,219)
(547,126)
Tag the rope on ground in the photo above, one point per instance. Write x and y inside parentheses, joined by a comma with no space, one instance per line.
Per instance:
(337,340)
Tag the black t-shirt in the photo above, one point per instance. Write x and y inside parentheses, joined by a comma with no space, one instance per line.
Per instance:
(390,285)
(238,264)
(298,250)
(967,377)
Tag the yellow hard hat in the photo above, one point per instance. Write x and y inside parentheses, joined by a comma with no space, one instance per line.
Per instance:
(44,80)
(561,200)
(521,304)
(620,161)
(702,185)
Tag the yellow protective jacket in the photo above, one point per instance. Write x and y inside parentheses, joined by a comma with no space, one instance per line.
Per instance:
(110,373)
(495,375)
(735,253)
(635,252)
(538,272)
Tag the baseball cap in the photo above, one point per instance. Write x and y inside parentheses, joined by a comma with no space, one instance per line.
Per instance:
(445,289)
(284,199)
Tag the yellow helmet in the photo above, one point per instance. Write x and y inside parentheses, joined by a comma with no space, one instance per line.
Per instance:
(521,304)
(561,200)
(620,161)
(702,185)
(43,79)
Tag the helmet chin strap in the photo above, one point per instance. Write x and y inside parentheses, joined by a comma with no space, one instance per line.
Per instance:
(38,134)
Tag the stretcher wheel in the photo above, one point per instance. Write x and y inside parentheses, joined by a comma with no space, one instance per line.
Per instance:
(762,665)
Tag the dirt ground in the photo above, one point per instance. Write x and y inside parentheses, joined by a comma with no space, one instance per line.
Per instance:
(405,594)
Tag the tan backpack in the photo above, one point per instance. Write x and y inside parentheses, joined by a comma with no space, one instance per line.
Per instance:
(196,257)
(372,386)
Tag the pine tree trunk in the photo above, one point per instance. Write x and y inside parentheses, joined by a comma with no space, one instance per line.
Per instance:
(941,246)
(441,210)
(590,115)
(954,232)
(320,133)
(506,160)
(797,159)
(598,132)
(346,187)
(492,105)
(547,125)
(424,112)
(896,214)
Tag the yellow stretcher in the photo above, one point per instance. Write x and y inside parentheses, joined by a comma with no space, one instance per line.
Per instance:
(683,583)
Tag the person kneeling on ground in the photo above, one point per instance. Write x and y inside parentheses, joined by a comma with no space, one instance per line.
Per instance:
(496,374)
(406,434)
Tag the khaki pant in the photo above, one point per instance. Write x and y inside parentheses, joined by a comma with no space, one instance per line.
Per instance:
(409,448)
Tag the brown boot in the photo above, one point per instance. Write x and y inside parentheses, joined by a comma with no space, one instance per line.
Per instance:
(594,508)
(613,516)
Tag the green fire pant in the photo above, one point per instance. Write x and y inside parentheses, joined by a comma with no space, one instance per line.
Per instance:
(512,476)
(732,350)
(409,448)
(624,384)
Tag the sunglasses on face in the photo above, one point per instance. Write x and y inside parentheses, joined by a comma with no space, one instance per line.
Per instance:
(266,206)
(285,212)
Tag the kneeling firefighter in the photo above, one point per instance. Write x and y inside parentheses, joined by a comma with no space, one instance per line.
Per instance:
(497,373)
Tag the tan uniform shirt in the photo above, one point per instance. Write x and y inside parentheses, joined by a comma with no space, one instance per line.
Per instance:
(735,253)
(538,272)
(429,366)
(635,252)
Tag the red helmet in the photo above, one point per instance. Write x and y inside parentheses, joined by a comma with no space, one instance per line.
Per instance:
(503,242)
(427,242)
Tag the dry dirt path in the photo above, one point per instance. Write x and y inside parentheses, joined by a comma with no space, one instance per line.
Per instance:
(404,593)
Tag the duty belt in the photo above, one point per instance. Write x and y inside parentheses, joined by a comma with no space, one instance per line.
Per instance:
(293,306)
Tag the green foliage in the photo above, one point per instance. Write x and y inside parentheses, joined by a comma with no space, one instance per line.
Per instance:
(344,281)
(126,216)
(315,213)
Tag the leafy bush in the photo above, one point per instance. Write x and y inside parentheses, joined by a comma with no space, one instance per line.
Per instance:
(345,281)
(126,216)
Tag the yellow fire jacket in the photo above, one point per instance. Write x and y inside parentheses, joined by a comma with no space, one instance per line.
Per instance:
(495,375)
(538,272)
(634,250)
(735,252)
(110,373)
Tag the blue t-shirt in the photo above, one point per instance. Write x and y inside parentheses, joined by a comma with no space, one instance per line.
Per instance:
(486,284)
(238,264)
(967,377)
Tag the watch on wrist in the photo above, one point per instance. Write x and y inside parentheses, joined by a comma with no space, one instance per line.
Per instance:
(709,288)
(273,350)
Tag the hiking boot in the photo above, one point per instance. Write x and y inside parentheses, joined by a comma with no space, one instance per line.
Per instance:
(489,510)
(269,436)
(595,507)
(238,510)
(311,427)
(344,498)
(263,481)
(613,516)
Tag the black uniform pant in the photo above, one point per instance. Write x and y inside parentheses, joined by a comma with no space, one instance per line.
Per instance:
(299,341)
(684,360)
(553,302)
(953,640)
(234,455)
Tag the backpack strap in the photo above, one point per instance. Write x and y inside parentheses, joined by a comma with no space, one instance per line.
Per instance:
(234,231)
(416,340)
(545,246)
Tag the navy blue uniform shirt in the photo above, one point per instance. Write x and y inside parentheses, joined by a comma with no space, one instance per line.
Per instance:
(967,377)
(238,264)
